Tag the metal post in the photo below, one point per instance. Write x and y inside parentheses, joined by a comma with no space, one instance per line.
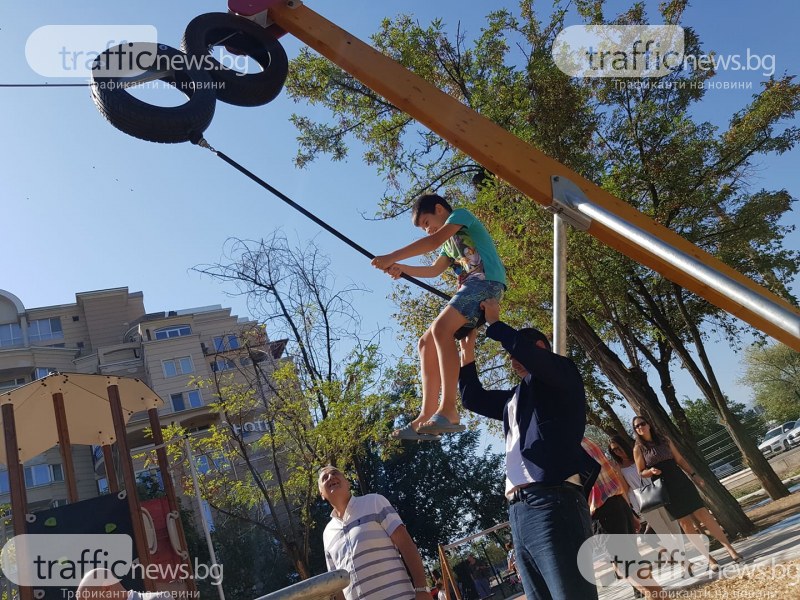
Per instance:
(206,531)
(559,286)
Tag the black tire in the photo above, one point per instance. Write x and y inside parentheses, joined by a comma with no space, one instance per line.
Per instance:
(244,37)
(170,124)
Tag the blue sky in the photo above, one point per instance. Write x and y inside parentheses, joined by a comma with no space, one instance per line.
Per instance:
(87,207)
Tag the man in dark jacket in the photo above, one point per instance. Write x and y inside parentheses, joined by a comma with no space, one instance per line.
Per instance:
(548,473)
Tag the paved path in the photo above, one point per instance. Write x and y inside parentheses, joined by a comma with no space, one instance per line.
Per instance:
(768,547)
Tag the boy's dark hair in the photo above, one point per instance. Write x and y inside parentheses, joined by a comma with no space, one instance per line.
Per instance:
(531,336)
(426,205)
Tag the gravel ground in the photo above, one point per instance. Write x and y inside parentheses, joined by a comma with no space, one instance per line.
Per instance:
(770,582)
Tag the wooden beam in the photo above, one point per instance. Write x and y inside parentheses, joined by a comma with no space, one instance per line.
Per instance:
(525,167)
(65,447)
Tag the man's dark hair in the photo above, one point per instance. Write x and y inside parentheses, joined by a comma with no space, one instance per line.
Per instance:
(426,205)
(531,335)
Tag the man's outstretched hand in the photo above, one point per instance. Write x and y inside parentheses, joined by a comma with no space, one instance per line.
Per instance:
(467,344)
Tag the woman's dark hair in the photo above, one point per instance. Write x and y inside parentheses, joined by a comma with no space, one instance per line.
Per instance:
(623,443)
(653,433)
(426,205)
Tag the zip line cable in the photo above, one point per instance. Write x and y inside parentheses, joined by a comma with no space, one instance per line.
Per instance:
(50,85)
(204,144)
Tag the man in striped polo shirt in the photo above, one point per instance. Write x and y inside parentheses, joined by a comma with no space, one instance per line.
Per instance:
(366,537)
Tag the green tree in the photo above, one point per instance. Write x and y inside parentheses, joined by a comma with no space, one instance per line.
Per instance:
(253,563)
(773,371)
(642,144)
(705,421)
(321,404)
(444,491)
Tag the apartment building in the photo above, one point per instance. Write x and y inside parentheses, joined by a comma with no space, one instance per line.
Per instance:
(109,332)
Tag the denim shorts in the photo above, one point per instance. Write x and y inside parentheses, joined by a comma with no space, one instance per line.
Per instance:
(467,300)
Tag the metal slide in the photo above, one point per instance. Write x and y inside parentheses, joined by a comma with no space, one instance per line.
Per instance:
(609,219)
(321,587)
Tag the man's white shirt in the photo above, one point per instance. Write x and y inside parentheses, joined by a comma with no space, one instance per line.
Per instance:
(359,542)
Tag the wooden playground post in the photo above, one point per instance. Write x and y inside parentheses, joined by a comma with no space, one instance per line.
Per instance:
(129,478)
(65,447)
(111,471)
(19,505)
(169,489)
(448,580)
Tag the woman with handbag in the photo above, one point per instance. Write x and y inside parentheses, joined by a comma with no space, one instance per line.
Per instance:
(659,520)
(658,458)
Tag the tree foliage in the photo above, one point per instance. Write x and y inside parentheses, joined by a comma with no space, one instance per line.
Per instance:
(641,143)
(705,421)
(329,400)
(444,491)
(774,373)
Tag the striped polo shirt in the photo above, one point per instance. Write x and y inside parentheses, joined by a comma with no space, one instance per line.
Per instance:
(359,542)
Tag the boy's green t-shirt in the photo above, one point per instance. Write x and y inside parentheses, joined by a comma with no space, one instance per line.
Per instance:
(472,249)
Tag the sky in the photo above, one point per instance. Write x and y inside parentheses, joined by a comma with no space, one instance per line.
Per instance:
(87,207)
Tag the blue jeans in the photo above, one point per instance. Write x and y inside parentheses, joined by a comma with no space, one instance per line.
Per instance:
(548,526)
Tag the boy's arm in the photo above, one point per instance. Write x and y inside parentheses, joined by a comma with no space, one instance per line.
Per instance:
(429,243)
(434,270)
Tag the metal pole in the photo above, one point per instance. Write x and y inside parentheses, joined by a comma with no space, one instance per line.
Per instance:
(559,286)
(206,531)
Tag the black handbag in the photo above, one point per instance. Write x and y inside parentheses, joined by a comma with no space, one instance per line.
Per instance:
(652,496)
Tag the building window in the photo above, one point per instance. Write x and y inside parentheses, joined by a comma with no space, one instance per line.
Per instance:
(218,463)
(10,334)
(42,475)
(10,384)
(4,489)
(177,402)
(184,400)
(149,484)
(45,329)
(226,342)
(222,364)
(203,464)
(40,372)
(178,366)
(173,332)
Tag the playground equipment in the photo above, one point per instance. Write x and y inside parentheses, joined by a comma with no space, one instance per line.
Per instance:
(546,181)
(449,580)
(320,587)
(70,408)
